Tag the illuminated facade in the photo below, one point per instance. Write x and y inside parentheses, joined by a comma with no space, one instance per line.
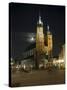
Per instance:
(40,37)
(43,45)
(62,53)
(60,62)
(41,48)
(49,41)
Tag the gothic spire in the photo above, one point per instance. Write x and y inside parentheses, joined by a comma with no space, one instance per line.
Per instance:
(48,27)
(40,20)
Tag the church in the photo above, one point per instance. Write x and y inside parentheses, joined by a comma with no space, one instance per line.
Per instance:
(41,50)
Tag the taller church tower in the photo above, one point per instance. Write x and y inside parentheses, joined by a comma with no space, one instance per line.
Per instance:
(39,42)
(40,37)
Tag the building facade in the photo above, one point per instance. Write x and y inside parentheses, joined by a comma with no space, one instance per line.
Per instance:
(41,49)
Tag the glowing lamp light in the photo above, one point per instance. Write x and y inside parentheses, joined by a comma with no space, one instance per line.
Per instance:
(61,61)
(58,61)
(32,39)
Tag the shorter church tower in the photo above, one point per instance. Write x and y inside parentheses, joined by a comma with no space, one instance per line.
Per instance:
(49,42)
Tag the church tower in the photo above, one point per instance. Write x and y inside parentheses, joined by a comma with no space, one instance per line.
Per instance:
(49,42)
(39,42)
(40,37)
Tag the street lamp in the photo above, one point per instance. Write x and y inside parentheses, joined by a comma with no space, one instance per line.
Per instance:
(32,39)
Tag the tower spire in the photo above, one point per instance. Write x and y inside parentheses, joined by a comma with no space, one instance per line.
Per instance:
(48,27)
(40,21)
(39,17)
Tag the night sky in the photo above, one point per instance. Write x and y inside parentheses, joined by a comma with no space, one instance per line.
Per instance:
(23,22)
